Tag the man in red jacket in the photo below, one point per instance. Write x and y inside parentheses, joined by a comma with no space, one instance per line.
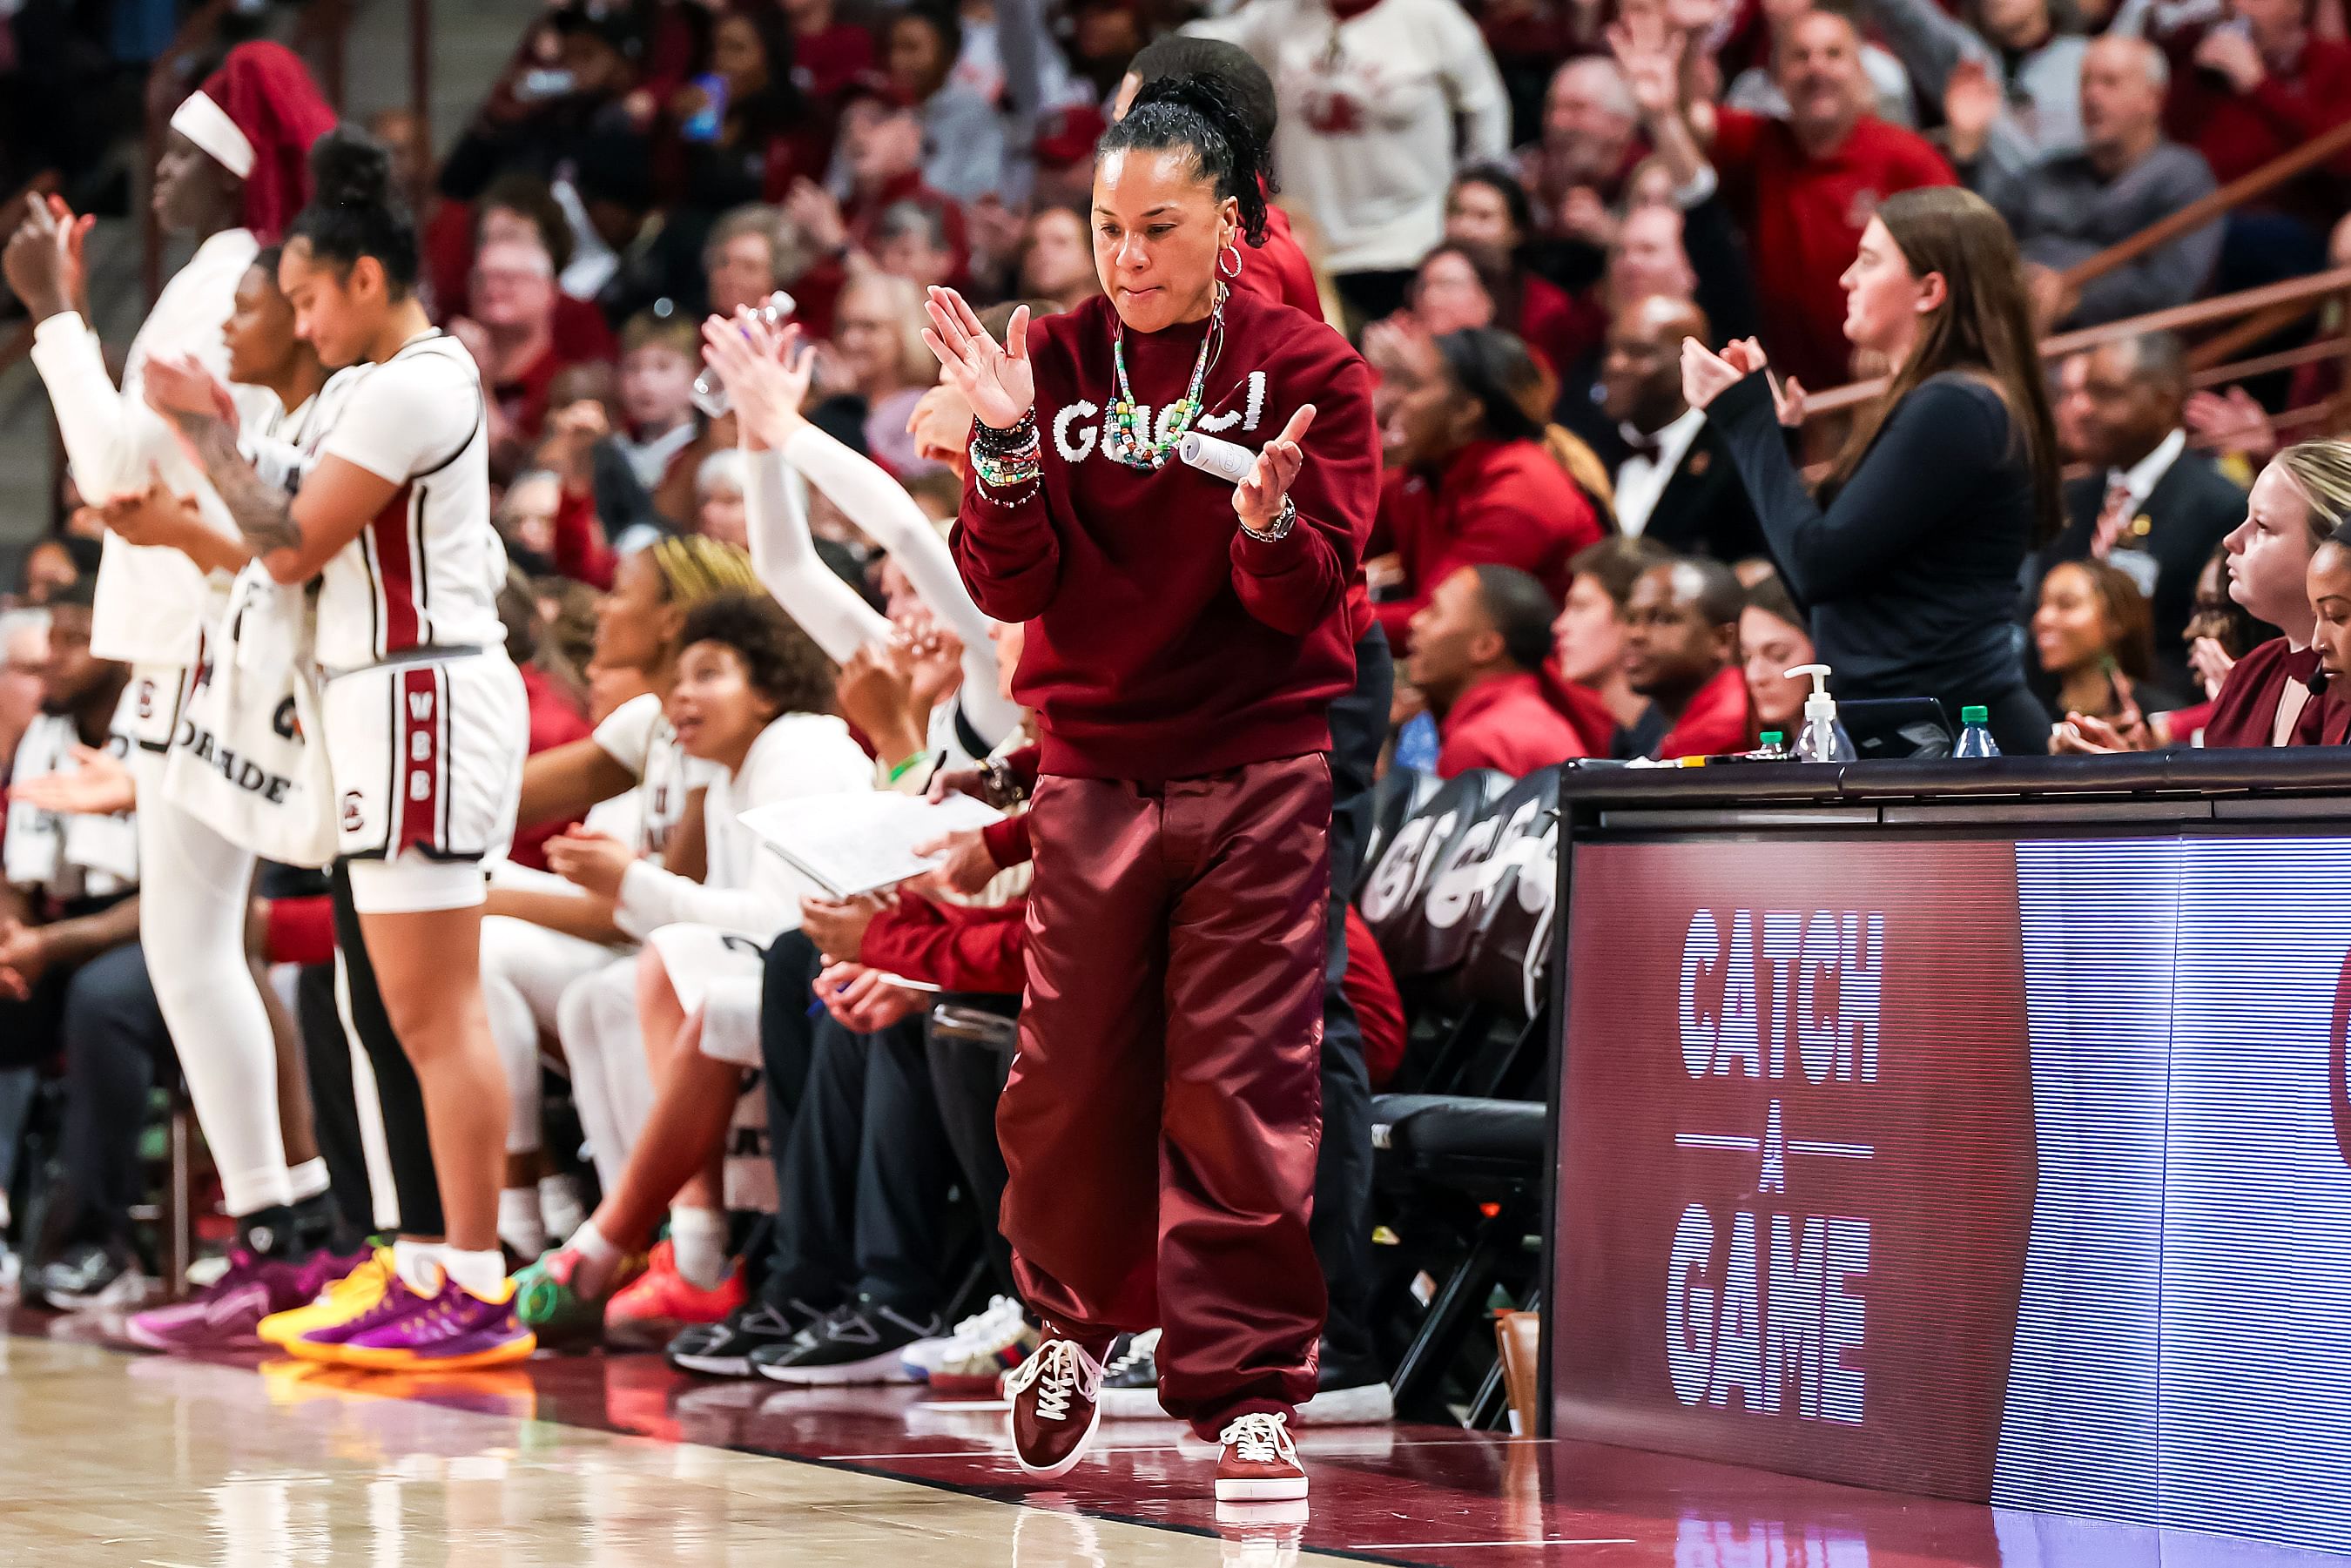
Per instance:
(1476,646)
(1804,188)
(1681,652)
(2246,90)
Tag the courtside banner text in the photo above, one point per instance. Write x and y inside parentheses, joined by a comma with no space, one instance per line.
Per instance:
(2019,1172)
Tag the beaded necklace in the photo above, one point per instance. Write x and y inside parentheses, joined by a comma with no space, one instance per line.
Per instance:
(1127,440)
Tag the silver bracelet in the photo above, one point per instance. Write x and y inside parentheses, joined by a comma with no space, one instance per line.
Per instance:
(1281,525)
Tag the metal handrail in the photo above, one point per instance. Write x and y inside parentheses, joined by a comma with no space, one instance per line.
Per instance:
(2213,205)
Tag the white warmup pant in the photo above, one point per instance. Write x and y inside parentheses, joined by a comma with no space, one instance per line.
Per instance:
(526,969)
(192,889)
(611,1081)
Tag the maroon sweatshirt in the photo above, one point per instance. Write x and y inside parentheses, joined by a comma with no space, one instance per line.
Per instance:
(1162,643)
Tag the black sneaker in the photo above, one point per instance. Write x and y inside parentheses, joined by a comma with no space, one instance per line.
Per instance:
(1130,1386)
(855,1343)
(723,1349)
(86,1278)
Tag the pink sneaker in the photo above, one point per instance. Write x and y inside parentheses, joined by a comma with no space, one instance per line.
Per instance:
(224,1315)
(661,1300)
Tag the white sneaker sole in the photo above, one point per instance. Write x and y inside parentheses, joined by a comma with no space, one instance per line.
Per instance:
(714,1366)
(1285,1488)
(873,1369)
(1131,1404)
(1051,1472)
(1369,1406)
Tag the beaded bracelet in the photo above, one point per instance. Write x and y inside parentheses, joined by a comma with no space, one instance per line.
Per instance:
(1006,460)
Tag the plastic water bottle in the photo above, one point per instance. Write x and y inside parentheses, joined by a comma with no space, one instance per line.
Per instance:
(1823,736)
(1975,734)
(709,393)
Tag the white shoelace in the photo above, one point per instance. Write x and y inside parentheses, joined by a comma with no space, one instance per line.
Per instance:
(1259,1439)
(1061,1370)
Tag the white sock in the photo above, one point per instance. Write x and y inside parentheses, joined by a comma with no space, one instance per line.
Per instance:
(520,1226)
(481,1274)
(418,1264)
(559,1203)
(599,1260)
(698,1239)
(309,1178)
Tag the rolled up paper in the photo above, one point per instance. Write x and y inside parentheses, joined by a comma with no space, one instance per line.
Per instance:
(1226,460)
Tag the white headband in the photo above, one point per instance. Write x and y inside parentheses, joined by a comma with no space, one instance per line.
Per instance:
(207,124)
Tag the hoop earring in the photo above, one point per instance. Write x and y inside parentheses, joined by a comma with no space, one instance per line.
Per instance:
(1234,252)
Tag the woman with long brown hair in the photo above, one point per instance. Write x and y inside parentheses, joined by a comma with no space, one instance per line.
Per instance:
(1908,556)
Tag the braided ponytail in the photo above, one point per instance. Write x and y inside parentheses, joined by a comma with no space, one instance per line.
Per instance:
(1203,116)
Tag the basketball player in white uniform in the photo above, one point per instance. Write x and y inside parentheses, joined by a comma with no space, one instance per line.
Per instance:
(233,166)
(425,717)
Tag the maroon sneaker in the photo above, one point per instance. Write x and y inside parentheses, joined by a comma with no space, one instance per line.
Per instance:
(1056,1397)
(224,1315)
(1258,1464)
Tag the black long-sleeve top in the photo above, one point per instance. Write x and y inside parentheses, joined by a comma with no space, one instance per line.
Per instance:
(1910,571)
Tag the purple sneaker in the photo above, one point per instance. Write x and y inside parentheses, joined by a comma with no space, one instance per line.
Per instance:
(451,1331)
(326,1341)
(224,1313)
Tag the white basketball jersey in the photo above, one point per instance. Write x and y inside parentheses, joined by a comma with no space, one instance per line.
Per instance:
(425,571)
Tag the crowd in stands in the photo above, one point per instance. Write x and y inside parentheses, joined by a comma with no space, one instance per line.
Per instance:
(1521,211)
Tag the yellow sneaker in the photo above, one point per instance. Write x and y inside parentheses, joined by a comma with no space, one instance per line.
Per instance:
(342,1300)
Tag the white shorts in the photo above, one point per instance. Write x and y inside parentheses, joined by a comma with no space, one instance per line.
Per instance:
(427,761)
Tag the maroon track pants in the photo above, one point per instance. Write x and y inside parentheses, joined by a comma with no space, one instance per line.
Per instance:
(1163,1115)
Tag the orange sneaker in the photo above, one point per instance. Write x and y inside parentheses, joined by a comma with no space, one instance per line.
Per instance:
(662,1301)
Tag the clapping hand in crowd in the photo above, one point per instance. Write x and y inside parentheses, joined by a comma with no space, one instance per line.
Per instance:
(1971,102)
(1707,375)
(24,958)
(2231,421)
(43,259)
(838,927)
(2231,53)
(2210,663)
(156,517)
(964,867)
(876,693)
(766,370)
(96,785)
(862,1000)
(596,862)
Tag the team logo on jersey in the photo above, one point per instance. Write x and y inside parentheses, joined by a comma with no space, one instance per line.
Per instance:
(354,812)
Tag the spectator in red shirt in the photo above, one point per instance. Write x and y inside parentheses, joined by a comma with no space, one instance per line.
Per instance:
(1477,644)
(511,335)
(1681,652)
(1805,187)
(2247,90)
(1585,678)
(828,54)
(518,206)
(1575,175)
(1489,208)
(1472,482)
(1057,260)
